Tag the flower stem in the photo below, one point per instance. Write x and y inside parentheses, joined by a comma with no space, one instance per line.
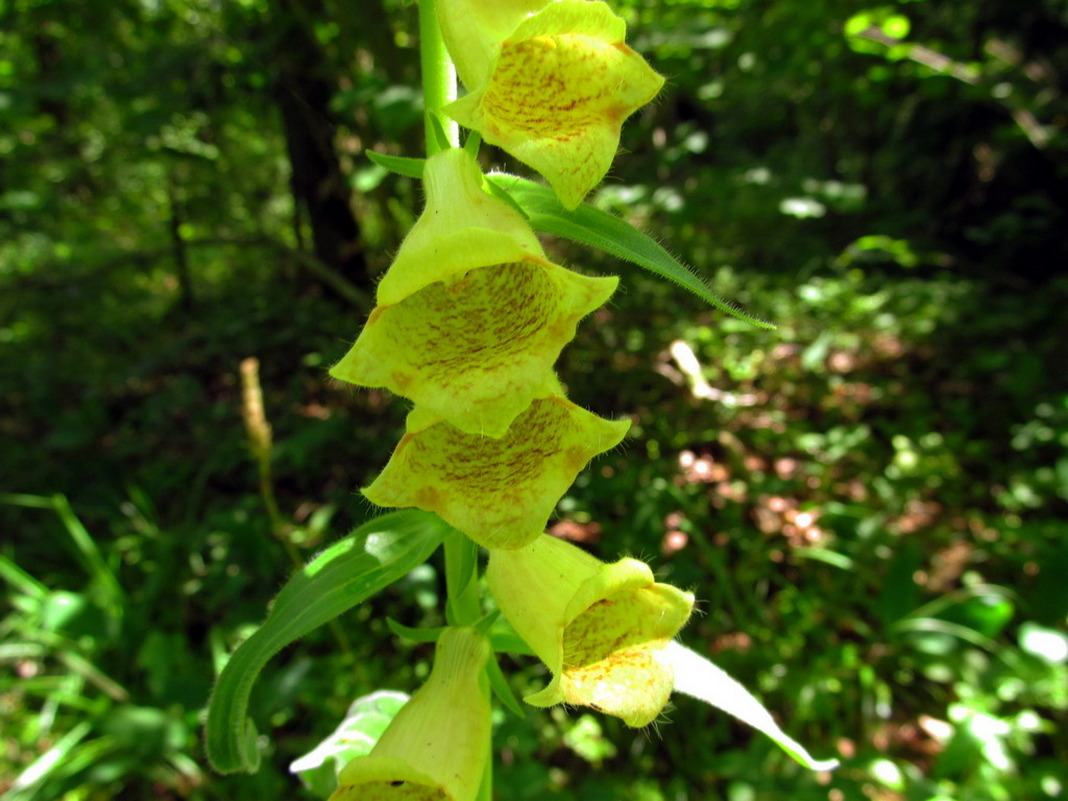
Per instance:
(439,88)
(439,79)
(461,580)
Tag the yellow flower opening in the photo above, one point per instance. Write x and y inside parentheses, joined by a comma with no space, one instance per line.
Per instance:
(500,492)
(435,749)
(557,92)
(470,317)
(599,628)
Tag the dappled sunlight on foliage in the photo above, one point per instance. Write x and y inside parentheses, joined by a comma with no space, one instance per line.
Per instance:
(870,502)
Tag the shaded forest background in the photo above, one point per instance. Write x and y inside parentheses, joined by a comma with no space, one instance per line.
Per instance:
(872,500)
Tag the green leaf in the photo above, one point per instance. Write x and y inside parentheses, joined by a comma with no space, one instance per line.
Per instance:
(371,558)
(414,634)
(54,760)
(499,684)
(473,143)
(22,581)
(896,26)
(858,23)
(697,677)
(401,165)
(367,718)
(437,129)
(825,555)
(106,583)
(609,233)
(461,578)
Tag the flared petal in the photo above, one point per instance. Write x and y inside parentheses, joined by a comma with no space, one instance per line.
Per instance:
(558,92)
(435,749)
(474,29)
(478,351)
(500,492)
(470,316)
(599,628)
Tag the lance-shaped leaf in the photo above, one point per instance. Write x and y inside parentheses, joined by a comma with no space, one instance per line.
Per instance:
(347,573)
(470,318)
(599,628)
(599,229)
(500,492)
(557,93)
(697,677)
(435,749)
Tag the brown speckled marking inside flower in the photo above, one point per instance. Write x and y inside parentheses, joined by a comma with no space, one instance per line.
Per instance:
(476,350)
(610,657)
(390,791)
(484,317)
(619,621)
(631,684)
(498,491)
(482,465)
(554,87)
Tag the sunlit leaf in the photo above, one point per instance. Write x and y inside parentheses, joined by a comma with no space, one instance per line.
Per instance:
(609,233)
(368,560)
(421,635)
(697,677)
(355,736)
(401,165)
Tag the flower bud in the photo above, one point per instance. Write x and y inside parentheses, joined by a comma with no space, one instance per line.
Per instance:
(435,749)
(471,316)
(599,628)
(556,89)
(500,492)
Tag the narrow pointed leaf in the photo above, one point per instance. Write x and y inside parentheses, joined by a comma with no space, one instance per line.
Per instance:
(609,233)
(499,684)
(401,165)
(414,634)
(371,558)
(473,142)
(697,677)
(437,129)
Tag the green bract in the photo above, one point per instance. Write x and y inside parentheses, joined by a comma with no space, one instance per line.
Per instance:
(500,492)
(436,747)
(599,628)
(551,87)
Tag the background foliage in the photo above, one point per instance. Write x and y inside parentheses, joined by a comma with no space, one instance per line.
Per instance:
(871,500)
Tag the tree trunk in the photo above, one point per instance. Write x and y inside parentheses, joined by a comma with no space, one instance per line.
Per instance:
(303,88)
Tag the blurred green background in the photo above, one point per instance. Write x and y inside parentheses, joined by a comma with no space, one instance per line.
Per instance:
(871,501)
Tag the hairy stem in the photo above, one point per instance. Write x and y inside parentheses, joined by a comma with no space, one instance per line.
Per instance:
(439,79)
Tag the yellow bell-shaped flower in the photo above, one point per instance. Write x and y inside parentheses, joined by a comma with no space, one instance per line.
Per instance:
(599,628)
(554,91)
(471,315)
(435,749)
(500,492)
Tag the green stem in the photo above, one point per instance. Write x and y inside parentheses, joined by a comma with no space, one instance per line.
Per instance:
(439,78)
(461,579)
(461,554)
